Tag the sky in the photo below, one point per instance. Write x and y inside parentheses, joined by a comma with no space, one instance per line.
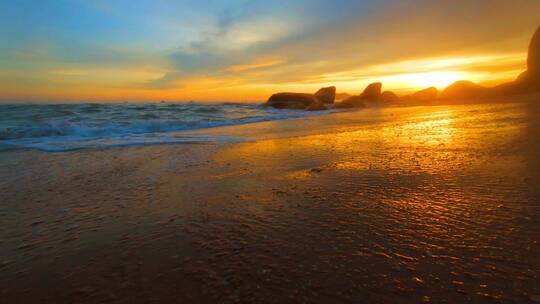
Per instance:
(242,50)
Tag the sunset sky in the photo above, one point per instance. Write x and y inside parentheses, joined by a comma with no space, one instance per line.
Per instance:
(225,50)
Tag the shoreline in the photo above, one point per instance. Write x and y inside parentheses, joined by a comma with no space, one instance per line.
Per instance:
(207,135)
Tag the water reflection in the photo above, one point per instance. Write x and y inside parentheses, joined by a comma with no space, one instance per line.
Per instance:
(386,206)
(426,201)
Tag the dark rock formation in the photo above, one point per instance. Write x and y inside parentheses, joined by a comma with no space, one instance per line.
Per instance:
(342,96)
(389,96)
(326,95)
(528,81)
(351,102)
(464,89)
(372,92)
(291,100)
(310,102)
(429,94)
(533,59)
(316,106)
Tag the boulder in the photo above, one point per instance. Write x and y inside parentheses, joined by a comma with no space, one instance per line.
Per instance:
(429,94)
(533,58)
(389,96)
(372,92)
(464,89)
(326,95)
(342,96)
(302,100)
(351,102)
(528,81)
(291,100)
(316,106)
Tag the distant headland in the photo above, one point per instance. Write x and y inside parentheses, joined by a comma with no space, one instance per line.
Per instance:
(326,98)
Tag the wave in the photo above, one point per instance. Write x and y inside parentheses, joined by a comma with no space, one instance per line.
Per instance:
(75,126)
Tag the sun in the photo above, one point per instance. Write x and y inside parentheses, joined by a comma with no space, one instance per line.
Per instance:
(438,79)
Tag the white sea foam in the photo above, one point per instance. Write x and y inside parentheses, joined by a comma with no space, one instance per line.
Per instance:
(65,127)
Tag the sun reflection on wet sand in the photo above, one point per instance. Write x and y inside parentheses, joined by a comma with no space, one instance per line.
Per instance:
(422,200)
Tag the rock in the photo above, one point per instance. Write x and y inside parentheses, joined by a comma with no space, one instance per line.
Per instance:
(342,96)
(528,81)
(389,96)
(429,94)
(316,106)
(464,89)
(291,100)
(311,102)
(326,95)
(351,102)
(533,58)
(372,92)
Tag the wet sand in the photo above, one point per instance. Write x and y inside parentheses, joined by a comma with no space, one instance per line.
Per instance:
(433,204)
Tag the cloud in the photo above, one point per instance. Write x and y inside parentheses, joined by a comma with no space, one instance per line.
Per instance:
(231,46)
(256,65)
(177,45)
(332,38)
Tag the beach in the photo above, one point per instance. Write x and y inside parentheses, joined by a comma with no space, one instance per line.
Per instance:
(425,204)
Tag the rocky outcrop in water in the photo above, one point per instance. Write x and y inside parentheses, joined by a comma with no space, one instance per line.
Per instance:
(351,102)
(464,90)
(425,95)
(316,106)
(326,95)
(342,96)
(371,93)
(533,61)
(310,102)
(389,97)
(528,81)
(291,100)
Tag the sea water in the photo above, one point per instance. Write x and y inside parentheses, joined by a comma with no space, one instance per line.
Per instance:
(64,127)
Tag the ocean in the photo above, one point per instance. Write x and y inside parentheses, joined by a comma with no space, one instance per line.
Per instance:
(65,127)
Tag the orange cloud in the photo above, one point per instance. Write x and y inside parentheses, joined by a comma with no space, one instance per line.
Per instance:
(405,44)
(257,64)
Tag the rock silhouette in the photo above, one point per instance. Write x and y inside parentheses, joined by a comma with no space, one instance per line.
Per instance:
(342,96)
(371,93)
(291,100)
(326,95)
(316,106)
(389,96)
(351,102)
(533,59)
(528,81)
(301,101)
(464,89)
(429,94)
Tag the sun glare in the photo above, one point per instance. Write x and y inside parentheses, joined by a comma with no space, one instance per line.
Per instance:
(439,79)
